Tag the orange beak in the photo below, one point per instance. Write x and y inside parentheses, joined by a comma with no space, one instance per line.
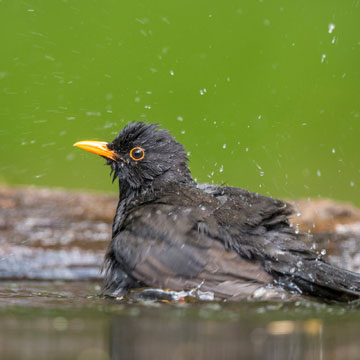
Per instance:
(97,147)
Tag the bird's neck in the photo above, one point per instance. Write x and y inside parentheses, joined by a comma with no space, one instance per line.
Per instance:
(178,174)
(132,197)
(126,198)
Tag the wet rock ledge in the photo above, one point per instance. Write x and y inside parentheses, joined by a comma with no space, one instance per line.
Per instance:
(56,234)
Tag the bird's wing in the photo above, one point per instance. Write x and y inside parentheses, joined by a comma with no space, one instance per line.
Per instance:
(254,226)
(258,227)
(239,207)
(161,245)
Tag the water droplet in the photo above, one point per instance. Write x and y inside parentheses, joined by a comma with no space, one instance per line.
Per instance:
(318,173)
(48,57)
(183,132)
(221,168)
(352,183)
(261,173)
(147,107)
(171,72)
(203,91)
(246,149)
(257,165)
(333,150)
(323,57)
(224,146)
(259,117)
(49,144)
(180,118)
(331,28)
(333,40)
(93,113)
(228,79)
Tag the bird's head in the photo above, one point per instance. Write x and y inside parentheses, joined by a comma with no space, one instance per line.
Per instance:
(142,156)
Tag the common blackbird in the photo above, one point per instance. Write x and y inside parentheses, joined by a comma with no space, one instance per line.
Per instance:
(170,232)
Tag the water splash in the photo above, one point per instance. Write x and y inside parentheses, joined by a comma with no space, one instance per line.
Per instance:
(331,28)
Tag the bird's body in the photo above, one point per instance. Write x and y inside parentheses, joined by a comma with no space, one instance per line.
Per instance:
(170,232)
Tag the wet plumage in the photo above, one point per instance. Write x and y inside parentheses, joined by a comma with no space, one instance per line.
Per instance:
(170,232)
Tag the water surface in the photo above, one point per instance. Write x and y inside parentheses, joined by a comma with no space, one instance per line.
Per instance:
(65,320)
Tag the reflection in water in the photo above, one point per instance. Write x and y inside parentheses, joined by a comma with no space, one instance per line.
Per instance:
(66,320)
(194,339)
(165,332)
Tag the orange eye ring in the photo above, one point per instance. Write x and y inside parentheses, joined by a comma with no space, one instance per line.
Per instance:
(137,153)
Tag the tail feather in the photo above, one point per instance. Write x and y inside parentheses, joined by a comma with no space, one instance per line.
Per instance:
(320,279)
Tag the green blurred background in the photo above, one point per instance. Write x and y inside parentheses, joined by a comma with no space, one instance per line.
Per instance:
(263,94)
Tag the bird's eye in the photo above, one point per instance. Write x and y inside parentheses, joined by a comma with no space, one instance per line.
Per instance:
(137,153)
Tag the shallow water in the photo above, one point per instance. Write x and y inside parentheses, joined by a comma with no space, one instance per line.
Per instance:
(66,320)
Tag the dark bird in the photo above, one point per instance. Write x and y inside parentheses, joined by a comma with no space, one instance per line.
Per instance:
(169,232)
